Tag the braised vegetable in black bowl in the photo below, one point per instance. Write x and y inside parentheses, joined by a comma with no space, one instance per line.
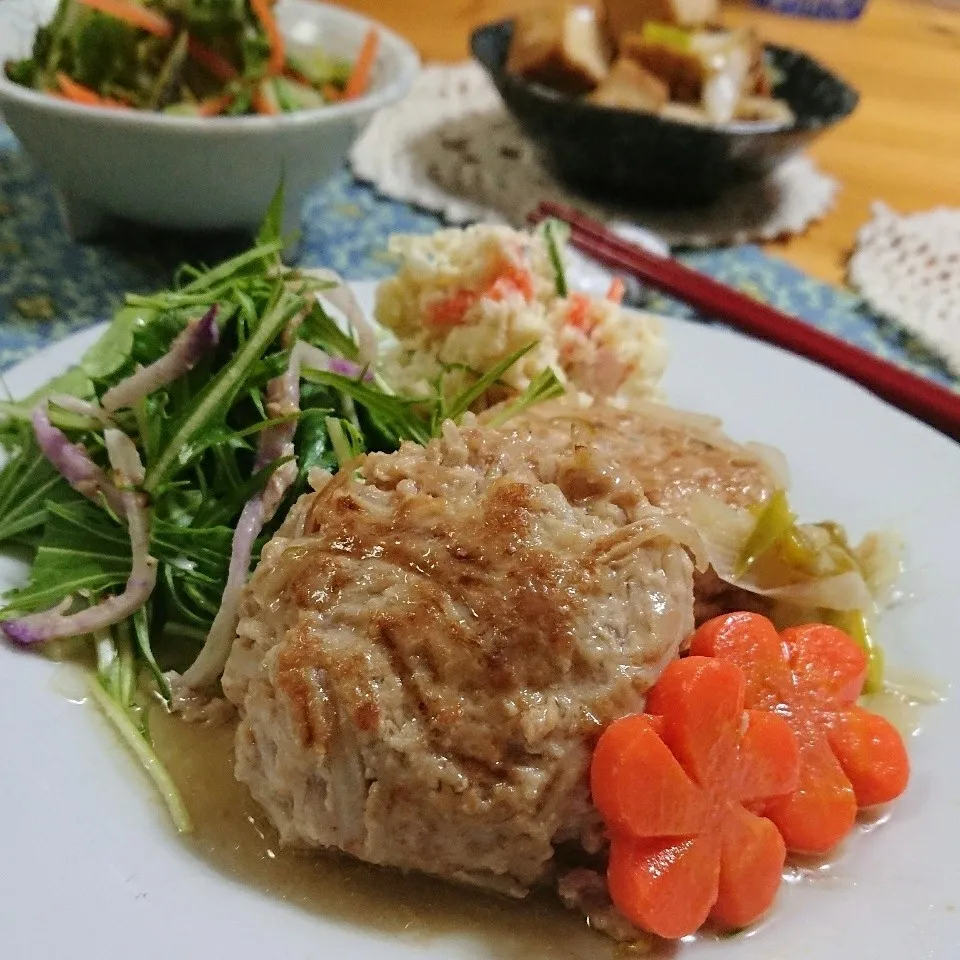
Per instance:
(611,147)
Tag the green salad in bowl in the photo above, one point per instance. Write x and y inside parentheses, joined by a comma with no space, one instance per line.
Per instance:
(187,114)
(187,57)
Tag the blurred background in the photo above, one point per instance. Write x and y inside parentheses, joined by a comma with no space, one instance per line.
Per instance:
(901,144)
(847,214)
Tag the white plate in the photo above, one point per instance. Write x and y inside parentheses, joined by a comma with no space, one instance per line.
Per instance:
(90,868)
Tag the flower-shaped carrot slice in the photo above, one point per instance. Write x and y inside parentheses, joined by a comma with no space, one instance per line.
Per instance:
(674,786)
(812,676)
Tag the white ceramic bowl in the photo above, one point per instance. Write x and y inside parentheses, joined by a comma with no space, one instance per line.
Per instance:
(195,173)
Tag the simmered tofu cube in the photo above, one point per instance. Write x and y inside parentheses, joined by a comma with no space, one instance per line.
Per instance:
(682,70)
(561,46)
(630,87)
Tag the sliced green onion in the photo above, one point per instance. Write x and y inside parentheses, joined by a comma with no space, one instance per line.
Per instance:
(774,521)
(555,233)
(854,624)
(666,35)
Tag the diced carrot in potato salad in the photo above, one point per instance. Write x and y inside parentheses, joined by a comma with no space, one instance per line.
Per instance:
(464,300)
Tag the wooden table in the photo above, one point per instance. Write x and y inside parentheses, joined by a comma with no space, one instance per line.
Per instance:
(902,145)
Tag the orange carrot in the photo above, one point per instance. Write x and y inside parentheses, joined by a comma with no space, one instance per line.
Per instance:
(78,93)
(278,56)
(450,310)
(508,278)
(359,78)
(214,106)
(617,290)
(578,313)
(673,789)
(219,66)
(752,854)
(872,755)
(291,73)
(264,99)
(811,676)
(133,14)
(666,890)
(330,93)
(767,763)
(671,805)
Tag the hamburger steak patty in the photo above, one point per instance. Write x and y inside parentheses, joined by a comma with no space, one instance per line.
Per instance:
(433,641)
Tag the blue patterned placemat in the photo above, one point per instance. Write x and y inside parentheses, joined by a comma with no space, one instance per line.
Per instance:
(51,286)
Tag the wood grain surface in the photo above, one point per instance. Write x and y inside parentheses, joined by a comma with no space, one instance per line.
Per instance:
(901,146)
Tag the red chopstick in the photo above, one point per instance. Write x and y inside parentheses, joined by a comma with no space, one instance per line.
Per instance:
(935,405)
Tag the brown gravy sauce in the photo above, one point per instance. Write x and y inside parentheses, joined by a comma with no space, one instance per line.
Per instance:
(233,834)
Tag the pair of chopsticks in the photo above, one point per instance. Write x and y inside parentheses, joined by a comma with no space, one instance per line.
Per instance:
(927,401)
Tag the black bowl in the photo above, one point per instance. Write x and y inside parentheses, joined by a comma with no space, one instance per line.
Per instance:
(627,156)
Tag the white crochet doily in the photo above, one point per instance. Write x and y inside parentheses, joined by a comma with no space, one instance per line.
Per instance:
(451,147)
(908,269)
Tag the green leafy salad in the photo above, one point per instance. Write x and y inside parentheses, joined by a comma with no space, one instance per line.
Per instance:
(142,484)
(188,57)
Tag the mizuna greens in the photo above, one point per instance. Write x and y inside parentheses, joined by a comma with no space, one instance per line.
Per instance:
(142,484)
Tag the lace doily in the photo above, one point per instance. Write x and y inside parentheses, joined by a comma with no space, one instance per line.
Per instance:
(451,147)
(908,269)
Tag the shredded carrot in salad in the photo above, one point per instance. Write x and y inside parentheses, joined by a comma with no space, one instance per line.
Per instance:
(264,13)
(239,47)
(331,93)
(510,279)
(214,106)
(360,76)
(78,93)
(219,66)
(134,14)
(265,99)
(452,309)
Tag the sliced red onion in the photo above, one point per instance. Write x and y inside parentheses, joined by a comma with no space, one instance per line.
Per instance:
(73,462)
(283,477)
(283,400)
(82,408)
(342,298)
(306,355)
(208,666)
(347,368)
(276,442)
(55,623)
(198,339)
(124,458)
